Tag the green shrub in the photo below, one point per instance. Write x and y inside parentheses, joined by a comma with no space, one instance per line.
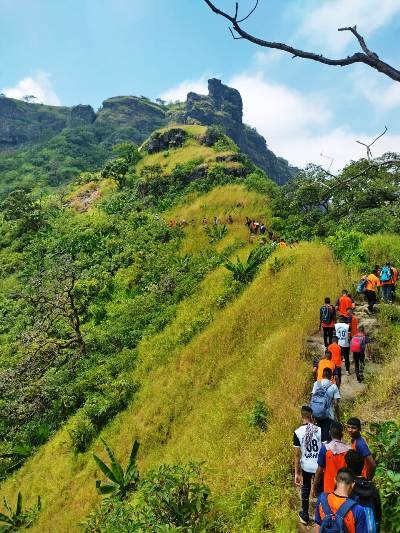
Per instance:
(82,432)
(385,444)
(177,496)
(260,415)
(347,246)
(382,248)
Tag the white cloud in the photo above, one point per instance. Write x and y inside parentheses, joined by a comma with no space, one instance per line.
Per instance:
(382,93)
(39,86)
(321,24)
(277,109)
(298,126)
(180,91)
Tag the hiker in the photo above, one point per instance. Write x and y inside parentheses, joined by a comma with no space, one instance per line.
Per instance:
(352,321)
(307,443)
(229,219)
(336,353)
(215,221)
(394,283)
(388,278)
(324,402)
(282,243)
(263,229)
(359,445)
(325,362)
(371,288)
(343,303)
(364,491)
(342,330)
(330,459)
(327,318)
(336,511)
(357,347)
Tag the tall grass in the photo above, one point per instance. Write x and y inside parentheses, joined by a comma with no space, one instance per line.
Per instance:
(195,399)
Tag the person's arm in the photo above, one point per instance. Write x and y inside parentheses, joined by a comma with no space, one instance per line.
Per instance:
(297,467)
(371,466)
(336,408)
(317,481)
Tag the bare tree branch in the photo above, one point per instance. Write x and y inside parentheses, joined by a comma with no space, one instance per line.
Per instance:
(368,146)
(366,56)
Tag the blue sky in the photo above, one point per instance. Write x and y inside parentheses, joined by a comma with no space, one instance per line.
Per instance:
(84,51)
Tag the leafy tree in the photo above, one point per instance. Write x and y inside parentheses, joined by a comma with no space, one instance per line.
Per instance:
(244,272)
(19,207)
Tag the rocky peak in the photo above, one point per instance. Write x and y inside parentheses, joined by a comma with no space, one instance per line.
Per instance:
(81,115)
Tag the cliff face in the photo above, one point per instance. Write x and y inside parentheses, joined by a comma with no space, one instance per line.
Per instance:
(223,106)
(130,117)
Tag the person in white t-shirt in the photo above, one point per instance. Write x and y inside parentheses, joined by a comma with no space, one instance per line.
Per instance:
(307,443)
(343,334)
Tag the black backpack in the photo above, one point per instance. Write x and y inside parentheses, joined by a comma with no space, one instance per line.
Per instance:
(326,314)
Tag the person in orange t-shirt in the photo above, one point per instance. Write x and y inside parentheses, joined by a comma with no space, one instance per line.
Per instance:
(371,287)
(354,518)
(336,353)
(343,303)
(330,459)
(353,321)
(325,362)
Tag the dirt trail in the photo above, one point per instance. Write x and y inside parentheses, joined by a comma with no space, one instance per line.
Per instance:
(350,387)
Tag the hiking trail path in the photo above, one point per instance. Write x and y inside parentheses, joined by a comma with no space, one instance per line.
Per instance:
(350,388)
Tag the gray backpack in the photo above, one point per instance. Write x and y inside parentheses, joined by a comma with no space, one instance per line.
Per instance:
(320,402)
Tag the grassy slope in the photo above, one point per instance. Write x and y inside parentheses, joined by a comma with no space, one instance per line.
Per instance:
(195,399)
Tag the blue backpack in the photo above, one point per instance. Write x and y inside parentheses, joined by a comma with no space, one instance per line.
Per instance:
(386,273)
(361,285)
(334,522)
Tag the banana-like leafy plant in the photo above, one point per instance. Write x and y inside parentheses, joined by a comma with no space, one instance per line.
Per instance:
(244,272)
(18,518)
(120,482)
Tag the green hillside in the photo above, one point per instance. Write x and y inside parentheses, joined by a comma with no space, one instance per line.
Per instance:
(135,304)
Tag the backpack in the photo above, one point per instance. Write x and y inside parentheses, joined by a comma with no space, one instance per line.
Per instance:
(334,522)
(366,495)
(386,273)
(320,402)
(326,314)
(357,344)
(361,285)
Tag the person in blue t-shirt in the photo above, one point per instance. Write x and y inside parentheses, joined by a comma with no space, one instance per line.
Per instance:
(359,445)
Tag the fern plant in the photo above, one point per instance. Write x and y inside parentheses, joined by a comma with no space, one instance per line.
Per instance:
(120,482)
(14,520)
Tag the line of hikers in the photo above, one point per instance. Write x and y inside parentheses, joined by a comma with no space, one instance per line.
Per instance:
(338,473)
(342,335)
(381,279)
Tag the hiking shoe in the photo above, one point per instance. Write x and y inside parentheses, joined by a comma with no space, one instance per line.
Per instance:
(304,518)
(347,372)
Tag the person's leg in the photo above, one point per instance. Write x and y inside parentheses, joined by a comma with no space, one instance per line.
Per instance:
(325,330)
(305,494)
(338,376)
(345,352)
(371,299)
(325,425)
(330,335)
(356,359)
(385,293)
(362,363)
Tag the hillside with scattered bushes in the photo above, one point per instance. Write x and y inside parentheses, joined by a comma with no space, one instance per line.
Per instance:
(154,351)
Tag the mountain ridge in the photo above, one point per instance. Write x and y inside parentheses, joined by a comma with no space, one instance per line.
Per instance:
(133,118)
